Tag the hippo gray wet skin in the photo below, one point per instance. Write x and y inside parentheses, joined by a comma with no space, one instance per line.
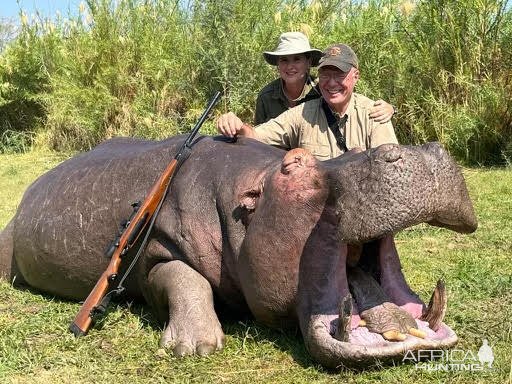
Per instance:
(257,228)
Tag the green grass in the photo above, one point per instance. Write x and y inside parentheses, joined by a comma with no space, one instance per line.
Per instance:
(35,345)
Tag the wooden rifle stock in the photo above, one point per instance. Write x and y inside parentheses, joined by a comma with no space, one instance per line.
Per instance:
(143,214)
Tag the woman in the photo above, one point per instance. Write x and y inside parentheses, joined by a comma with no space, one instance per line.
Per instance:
(293,58)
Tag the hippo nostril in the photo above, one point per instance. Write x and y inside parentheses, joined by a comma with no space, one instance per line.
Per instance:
(390,154)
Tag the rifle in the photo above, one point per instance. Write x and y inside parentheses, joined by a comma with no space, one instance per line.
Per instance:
(143,215)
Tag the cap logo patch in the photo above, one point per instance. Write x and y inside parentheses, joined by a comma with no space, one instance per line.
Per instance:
(334,51)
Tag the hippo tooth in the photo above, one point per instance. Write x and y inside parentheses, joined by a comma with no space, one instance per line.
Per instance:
(418,333)
(394,335)
(436,309)
(345,311)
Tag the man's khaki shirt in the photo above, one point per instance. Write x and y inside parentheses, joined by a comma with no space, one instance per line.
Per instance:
(305,126)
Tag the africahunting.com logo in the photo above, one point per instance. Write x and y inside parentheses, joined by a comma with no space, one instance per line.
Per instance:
(451,360)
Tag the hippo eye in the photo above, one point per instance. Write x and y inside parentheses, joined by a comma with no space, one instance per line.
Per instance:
(249,199)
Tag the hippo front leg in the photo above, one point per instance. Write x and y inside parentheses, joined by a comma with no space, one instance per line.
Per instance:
(183,299)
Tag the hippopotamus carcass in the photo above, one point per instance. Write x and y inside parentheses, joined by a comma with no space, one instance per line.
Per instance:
(256,229)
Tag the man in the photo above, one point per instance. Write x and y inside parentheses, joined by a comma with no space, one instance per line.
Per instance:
(329,126)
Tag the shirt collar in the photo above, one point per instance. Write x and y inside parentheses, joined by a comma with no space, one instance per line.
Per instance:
(279,90)
(338,116)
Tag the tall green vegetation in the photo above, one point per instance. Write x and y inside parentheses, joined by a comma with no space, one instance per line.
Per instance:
(146,68)
(464,76)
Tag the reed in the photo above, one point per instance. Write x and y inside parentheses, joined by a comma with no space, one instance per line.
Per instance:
(147,68)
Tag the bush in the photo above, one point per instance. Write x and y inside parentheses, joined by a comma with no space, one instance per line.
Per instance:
(147,68)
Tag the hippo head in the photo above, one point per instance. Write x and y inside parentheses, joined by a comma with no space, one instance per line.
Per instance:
(392,187)
(375,194)
(319,246)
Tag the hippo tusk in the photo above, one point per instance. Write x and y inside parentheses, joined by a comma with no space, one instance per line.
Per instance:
(345,311)
(394,335)
(418,333)
(436,309)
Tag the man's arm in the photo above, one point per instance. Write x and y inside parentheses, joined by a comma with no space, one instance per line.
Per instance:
(279,132)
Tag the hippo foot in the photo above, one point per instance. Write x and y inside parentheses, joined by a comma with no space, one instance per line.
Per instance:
(185,339)
(184,301)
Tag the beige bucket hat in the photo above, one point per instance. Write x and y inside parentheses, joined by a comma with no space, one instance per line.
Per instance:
(292,43)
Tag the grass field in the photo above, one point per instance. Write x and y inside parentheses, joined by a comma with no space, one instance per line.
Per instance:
(36,347)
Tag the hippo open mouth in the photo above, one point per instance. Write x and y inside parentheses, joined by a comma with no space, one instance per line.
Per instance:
(379,317)
(381,309)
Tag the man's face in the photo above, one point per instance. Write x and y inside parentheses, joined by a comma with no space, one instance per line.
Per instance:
(337,86)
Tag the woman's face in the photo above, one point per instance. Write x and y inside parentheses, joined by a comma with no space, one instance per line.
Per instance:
(293,69)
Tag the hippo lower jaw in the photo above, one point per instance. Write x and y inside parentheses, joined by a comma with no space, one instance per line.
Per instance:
(336,343)
(369,348)
(379,317)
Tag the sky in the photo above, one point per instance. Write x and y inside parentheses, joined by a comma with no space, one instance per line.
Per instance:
(9,9)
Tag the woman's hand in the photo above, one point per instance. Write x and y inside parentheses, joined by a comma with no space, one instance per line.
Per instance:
(381,111)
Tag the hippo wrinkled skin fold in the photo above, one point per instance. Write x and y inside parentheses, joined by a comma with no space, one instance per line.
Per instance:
(257,229)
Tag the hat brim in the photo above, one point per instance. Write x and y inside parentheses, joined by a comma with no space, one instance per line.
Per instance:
(334,62)
(272,57)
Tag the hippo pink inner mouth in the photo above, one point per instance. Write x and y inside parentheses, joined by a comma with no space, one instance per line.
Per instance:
(361,335)
(378,307)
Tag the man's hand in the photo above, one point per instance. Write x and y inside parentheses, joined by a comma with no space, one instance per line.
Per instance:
(381,111)
(229,124)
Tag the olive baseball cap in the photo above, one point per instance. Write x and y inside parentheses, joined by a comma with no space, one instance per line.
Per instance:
(340,56)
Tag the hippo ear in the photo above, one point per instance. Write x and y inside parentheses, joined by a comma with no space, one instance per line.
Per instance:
(249,198)
(296,158)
